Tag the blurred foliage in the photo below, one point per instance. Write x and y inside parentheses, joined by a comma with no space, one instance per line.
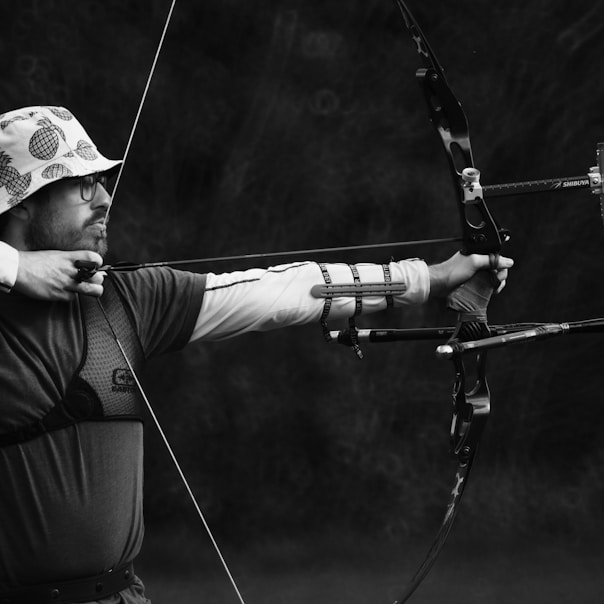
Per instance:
(285,125)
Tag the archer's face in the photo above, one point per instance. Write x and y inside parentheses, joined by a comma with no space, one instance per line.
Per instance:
(64,221)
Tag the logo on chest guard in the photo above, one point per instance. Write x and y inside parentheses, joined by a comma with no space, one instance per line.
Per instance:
(123,381)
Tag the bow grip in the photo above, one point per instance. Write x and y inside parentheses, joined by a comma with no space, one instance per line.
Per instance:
(473,295)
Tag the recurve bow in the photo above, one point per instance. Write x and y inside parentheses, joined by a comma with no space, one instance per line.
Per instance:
(480,235)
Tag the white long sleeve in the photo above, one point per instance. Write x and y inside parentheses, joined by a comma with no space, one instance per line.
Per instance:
(9,267)
(265,299)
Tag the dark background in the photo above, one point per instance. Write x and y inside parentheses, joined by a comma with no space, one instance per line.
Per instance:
(286,125)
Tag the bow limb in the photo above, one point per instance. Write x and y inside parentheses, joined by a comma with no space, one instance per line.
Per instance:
(481,235)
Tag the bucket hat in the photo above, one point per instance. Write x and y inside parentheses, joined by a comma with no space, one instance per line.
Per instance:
(42,144)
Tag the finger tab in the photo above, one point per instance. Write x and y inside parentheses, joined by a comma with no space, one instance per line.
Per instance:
(86,269)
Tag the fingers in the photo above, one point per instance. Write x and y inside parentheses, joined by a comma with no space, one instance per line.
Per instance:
(84,282)
(504,263)
(87,268)
(90,289)
(491,261)
(84,288)
(502,276)
(91,286)
(499,265)
(87,256)
(94,285)
(459,268)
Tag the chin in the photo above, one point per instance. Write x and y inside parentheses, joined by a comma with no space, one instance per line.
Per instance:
(93,245)
(102,248)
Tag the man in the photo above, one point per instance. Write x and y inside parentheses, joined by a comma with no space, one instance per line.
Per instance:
(70,429)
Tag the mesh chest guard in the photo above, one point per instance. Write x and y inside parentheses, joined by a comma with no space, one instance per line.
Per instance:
(102,388)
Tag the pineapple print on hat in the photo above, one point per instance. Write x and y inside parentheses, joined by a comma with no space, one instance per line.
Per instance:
(61,113)
(16,184)
(44,143)
(86,151)
(7,173)
(55,171)
(6,123)
(20,185)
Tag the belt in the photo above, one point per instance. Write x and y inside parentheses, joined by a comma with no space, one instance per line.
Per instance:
(79,590)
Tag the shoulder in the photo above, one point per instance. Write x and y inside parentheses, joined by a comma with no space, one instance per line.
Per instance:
(155,283)
(163,303)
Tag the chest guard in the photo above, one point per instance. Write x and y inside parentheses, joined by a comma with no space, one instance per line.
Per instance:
(103,387)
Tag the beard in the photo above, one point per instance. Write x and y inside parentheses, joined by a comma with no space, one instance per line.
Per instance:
(47,232)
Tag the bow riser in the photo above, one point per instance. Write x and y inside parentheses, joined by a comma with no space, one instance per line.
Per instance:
(480,232)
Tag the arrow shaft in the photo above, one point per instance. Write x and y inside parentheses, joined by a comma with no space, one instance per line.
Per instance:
(292,253)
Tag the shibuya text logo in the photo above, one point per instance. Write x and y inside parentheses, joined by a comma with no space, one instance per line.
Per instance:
(122,380)
(575,183)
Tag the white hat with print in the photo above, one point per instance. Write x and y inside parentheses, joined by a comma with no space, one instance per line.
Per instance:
(39,145)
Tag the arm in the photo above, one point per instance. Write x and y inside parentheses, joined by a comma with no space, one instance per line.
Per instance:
(265,299)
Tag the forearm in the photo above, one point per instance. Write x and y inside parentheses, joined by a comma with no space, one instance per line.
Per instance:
(265,299)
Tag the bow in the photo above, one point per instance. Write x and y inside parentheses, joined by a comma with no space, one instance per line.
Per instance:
(481,235)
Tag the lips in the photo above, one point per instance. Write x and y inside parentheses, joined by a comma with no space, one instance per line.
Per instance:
(99,226)
(98,222)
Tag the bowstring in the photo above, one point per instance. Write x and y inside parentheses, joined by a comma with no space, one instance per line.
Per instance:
(119,344)
(173,456)
(140,107)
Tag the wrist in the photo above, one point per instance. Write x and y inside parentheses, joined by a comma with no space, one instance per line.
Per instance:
(438,280)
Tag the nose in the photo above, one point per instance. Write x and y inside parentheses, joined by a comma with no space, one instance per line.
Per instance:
(101,199)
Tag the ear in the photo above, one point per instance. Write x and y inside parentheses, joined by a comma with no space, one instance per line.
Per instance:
(21,211)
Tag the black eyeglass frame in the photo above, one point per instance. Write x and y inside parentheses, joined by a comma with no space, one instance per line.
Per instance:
(88,184)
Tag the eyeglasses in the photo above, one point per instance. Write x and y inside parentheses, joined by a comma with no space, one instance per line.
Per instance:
(88,184)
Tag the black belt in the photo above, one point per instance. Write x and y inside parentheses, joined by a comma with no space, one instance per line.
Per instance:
(79,590)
